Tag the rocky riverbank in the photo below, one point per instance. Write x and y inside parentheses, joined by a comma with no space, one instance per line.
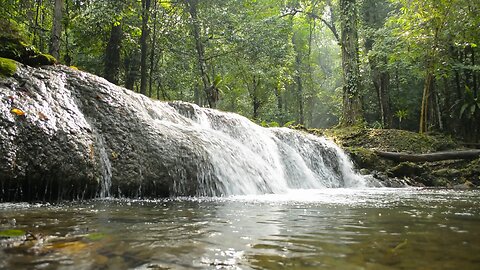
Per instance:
(362,143)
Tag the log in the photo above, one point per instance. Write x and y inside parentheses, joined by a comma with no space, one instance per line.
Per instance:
(437,156)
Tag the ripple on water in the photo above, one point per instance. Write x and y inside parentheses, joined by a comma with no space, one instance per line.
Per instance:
(314,229)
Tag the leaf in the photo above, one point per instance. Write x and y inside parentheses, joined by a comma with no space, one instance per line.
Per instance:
(17,112)
(462,110)
(12,233)
(75,247)
(399,246)
(95,236)
(472,109)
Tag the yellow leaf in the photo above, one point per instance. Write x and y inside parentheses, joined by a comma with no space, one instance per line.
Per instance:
(17,112)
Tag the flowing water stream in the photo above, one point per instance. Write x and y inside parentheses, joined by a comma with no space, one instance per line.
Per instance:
(302,229)
(260,198)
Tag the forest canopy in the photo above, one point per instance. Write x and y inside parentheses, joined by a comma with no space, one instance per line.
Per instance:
(406,64)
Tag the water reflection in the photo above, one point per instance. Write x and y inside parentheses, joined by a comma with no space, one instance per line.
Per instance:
(322,229)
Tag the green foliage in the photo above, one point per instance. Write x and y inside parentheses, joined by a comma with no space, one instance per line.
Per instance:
(401,114)
(275,61)
(8,67)
(471,104)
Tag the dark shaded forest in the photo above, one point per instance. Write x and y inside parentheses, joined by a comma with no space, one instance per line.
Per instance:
(404,64)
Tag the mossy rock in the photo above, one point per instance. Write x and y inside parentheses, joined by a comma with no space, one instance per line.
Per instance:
(390,140)
(366,158)
(8,67)
(13,45)
(408,169)
(41,59)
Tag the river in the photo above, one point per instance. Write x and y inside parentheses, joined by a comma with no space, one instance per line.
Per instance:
(374,228)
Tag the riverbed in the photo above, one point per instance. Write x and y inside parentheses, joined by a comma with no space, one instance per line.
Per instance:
(376,228)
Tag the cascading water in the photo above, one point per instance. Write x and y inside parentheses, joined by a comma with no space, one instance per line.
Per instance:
(93,138)
(249,159)
(105,167)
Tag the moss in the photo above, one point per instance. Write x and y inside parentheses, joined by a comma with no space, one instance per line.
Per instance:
(366,158)
(11,233)
(8,67)
(390,140)
(41,59)
(14,45)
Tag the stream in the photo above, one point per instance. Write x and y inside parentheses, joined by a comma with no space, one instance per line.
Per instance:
(345,228)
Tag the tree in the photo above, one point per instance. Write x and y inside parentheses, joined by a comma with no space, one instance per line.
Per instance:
(144,46)
(433,32)
(352,112)
(112,54)
(57,29)
(374,15)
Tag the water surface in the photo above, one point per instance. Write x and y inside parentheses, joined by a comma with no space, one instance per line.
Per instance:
(304,229)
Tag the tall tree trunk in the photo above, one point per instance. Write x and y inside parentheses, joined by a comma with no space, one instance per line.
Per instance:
(256,103)
(211,92)
(37,25)
(428,85)
(152,51)
(352,112)
(300,99)
(144,47)
(474,73)
(131,70)
(67,58)
(278,96)
(381,82)
(298,80)
(56,29)
(112,54)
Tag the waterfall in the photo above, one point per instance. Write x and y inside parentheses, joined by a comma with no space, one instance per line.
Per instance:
(93,138)
(105,167)
(249,159)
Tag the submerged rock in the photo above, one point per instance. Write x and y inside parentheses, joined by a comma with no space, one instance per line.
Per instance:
(67,134)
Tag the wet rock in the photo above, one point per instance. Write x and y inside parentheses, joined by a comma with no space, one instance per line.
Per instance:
(466,185)
(75,125)
(67,134)
(408,169)
(364,171)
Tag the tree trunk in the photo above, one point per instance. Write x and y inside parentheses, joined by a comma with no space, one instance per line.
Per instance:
(352,112)
(67,58)
(211,92)
(298,81)
(278,96)
(381,82)
(37,25)
(112,54)
(438,156)
(152,51)
(429,81)
(56,29)
(253,92)
(131,70)
(144,47)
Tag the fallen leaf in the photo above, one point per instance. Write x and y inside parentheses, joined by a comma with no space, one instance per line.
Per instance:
(17,112)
